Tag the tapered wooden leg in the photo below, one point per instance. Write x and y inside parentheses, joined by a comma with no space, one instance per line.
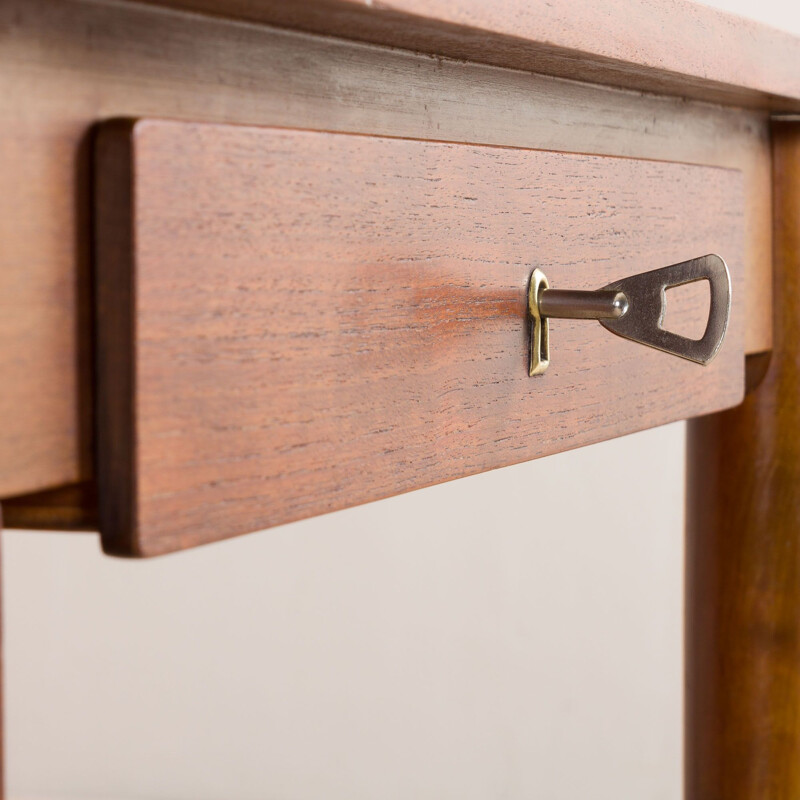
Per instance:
(743,555)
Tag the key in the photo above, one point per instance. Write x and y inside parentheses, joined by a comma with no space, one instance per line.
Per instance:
(634,309)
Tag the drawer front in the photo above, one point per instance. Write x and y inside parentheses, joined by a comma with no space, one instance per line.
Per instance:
(291,322)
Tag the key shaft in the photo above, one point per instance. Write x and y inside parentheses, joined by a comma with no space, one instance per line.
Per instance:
(576,304)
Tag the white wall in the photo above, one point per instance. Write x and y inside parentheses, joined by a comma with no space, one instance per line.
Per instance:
(443,644)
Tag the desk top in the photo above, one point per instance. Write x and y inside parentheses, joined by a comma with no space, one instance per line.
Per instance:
(664,46)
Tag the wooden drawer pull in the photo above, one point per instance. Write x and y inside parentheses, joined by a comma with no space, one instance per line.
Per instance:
(634,308)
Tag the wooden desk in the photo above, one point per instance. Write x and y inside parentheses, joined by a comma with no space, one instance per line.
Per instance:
(417,89)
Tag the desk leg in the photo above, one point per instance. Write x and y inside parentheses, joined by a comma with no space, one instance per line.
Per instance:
(743,555)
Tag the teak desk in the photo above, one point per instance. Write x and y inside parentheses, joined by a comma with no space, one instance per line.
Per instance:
(261,260)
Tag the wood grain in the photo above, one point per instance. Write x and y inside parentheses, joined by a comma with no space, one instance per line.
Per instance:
(65,65)
(664,46)
(294,322)
(743,556)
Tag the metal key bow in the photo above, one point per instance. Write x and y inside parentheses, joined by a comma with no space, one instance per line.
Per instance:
(634,308)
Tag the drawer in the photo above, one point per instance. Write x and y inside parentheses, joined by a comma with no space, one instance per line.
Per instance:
(291,322)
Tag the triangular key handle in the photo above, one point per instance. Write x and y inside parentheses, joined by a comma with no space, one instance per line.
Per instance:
(647,303)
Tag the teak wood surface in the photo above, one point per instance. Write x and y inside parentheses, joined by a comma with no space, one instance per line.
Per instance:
(665,46)
(66,65)
(292,322)
(743,556)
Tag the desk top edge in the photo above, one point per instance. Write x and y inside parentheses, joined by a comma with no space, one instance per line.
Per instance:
(672,47)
